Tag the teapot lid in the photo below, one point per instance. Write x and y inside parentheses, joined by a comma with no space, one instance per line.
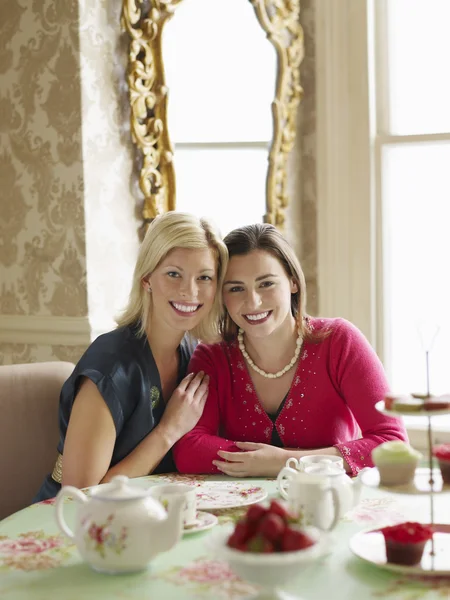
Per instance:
(119,488)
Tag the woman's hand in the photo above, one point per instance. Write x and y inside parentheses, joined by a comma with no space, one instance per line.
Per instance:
(185,406)
(257,460)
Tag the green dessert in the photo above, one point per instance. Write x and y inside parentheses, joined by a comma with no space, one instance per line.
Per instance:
(407,404)
(396,462)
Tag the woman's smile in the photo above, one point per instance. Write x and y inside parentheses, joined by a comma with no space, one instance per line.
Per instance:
(185,309)
(257,318)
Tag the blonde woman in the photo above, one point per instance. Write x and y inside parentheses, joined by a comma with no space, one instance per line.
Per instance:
(129,398)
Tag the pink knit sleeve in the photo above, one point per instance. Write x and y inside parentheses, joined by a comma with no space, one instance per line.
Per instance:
(360,379)
(196,450)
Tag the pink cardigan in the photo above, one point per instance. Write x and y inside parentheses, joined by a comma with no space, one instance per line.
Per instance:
(330,402)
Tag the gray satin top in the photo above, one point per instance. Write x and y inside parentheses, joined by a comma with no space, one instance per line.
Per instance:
(122,366)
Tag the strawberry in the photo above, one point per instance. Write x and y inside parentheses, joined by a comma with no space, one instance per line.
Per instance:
(255,513)
(293,540)
(242,532)
(271,527)
(233,542)
(260,545)
(277,508)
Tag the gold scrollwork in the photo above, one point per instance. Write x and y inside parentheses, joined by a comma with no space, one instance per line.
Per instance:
(144,21)
(280,19)
(148,102)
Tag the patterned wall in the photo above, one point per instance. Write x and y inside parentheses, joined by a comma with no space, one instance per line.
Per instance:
(42,252)
(42,248)
(65,170)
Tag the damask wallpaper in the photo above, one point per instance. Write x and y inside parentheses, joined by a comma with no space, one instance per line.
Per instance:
(42,225)
(65,173)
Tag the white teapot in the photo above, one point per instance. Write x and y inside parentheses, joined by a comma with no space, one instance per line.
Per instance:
(349,490)
(120,528)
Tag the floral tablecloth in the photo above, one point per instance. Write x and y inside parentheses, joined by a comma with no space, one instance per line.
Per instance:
(38,563)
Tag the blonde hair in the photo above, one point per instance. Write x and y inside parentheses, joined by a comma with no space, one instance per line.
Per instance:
(263,236)
(167,232)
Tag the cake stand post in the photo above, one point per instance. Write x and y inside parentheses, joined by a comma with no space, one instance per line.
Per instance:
(431,480)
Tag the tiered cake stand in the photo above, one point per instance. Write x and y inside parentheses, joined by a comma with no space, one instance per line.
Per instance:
(370,545)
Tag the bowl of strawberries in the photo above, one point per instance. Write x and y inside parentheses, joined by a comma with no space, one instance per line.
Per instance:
(267,548)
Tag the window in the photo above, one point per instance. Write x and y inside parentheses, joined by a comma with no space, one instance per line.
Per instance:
(220,70)
(412,88)
(383,179)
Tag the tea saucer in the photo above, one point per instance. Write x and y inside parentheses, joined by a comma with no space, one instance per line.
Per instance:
(203,522)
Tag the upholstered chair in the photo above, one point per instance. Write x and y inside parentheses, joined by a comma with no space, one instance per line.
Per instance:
(29,396)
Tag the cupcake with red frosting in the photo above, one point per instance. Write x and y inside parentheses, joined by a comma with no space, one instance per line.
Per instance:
(442,453)
(405,542)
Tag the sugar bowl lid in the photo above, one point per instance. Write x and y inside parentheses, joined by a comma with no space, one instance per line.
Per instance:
(324,467)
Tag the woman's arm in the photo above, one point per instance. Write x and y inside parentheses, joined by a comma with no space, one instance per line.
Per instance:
(263,460)
(196,451)
(91,434)
(360,379)
(90,438)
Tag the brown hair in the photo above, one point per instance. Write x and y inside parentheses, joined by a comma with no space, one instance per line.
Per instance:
(263,236)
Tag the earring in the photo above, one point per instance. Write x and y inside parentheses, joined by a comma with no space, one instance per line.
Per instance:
(149,290)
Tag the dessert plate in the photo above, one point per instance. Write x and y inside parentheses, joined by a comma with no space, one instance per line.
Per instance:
(370,547)
(420,484)
(411,413)
(204,521)
(212,495)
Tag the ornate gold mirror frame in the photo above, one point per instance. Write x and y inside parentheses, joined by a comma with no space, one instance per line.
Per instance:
(144,21)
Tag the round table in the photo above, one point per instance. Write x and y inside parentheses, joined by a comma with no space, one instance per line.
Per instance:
(38,563)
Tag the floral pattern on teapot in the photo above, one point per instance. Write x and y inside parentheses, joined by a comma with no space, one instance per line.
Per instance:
(102,538)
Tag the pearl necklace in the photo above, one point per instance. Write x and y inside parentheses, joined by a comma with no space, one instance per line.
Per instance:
(287,368)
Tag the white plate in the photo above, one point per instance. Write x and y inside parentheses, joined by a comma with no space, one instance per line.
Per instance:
(213,495)
(204,521)
(370,547)
(414,413)
(420,484)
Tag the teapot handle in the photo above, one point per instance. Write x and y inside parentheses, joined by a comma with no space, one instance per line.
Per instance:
(336,507)
(67,490)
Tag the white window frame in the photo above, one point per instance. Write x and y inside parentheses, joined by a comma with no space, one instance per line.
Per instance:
(350,140)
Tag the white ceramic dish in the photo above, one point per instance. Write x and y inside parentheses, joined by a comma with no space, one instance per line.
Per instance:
(370,547)
(420,484)
(270,571)
(414,413)
(213,495)
(203,522)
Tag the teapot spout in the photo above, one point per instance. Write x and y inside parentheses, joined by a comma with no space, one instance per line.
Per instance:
(170,529)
